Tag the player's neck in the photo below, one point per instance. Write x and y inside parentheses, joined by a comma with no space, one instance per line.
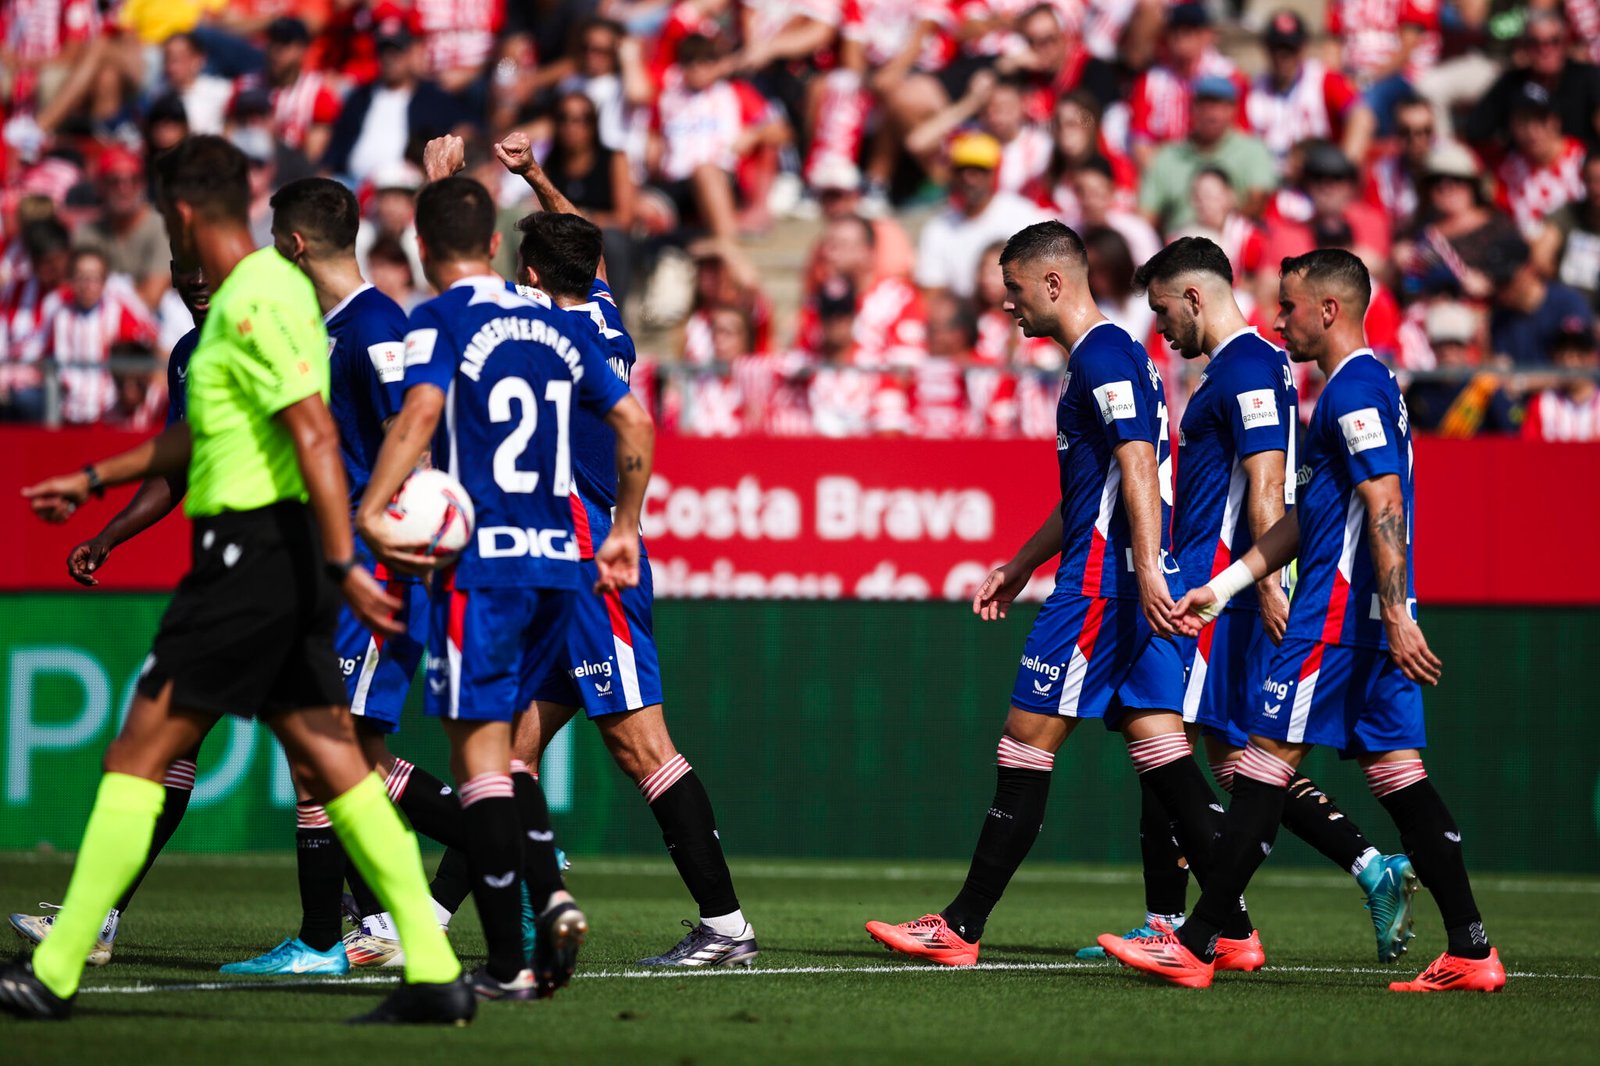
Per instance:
(219,247)
(1076,321)
(447,274)
(1227,324)
(1338,351)
(335,280)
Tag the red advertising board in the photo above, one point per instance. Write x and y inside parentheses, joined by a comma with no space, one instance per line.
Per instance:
(1498,521)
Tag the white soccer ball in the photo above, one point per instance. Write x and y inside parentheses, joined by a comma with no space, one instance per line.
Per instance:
(433,510)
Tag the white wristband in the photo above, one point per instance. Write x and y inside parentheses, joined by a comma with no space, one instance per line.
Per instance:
(1226,585)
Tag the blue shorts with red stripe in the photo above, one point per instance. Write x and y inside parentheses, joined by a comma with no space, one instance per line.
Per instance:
(1094,657)
(610,663)
(1353,699)
(378,670)
(490,649)
(1225,667)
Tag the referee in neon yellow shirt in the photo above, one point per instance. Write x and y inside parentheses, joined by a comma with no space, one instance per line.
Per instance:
(250,628)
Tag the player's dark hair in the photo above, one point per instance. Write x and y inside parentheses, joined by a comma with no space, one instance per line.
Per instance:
(320,210)
(1186,255)
(1050,240)
(43,236)
(455,219)
(209,174)
(1333,268)
(564,250)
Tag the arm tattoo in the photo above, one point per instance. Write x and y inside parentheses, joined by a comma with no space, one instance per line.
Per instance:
(632,463)
(1388,532)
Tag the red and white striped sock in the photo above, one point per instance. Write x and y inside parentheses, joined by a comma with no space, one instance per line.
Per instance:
(1387,777)
(1152,753)
(1263,766)
(309,815)
(1223,773)
(180,774)
(492,785)
(520,767)
(1020,756)
(398,778)
(665,776)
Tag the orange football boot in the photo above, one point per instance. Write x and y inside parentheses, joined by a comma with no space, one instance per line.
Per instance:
(1246,955)
(929,937)
(1160,956)
(1449,973)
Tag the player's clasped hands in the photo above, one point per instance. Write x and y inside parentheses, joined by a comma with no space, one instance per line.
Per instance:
(1194,612)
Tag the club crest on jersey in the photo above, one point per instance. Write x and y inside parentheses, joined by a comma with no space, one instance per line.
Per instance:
(1258,408)
(1363,429)
(1115,400)
(1066,380)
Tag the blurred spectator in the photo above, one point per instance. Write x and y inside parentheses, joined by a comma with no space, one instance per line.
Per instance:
(1161,97)
(382,119)
(1573,86)
(1570,410)
(257,145)
(1299,98)
(1457,237)
(609,69)
(716,286)
(1111,268)
(304,103)
(165,124)
(251,112)
(846,400)
(1395,177)
(1568,248)
(597,180)
(1530,313)
(1213,141)
(1056,61)
(1329,180)
(1077,139)
(129,232)
(1541,173)
(391,213)
(996,108)
(837,183)
(1099,205)
(389,269)
(889,327)
(976,217)
(1465,406)
(1386,44)
(139,402)
(458,39)
(28,303)
(1217,218)
(205,96)
(81,332)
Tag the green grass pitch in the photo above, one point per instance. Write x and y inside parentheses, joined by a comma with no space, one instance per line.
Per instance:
(1323,998)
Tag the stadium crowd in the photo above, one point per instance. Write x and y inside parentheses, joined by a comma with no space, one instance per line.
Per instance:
(1449,143)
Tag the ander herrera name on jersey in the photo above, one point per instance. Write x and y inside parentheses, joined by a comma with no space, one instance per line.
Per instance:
(491,335)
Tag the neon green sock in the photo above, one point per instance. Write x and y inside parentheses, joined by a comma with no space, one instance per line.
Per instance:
(115,843)
(385,852)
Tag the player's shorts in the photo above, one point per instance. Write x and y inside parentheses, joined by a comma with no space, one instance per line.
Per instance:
(378,670)
(610,664)
(250,628)
(491,649)
(1093,657)
(1353,699)
(1226,666)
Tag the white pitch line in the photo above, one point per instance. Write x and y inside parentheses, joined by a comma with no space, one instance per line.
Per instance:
(771,971)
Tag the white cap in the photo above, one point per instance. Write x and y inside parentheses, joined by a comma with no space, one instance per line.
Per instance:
(833,172)
(401,175)
(1451,321)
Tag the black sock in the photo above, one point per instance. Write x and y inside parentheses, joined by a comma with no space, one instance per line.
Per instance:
(1428,833)
(1013,823)
(539,867)
(166,824)
(1311,815)
(1248,831)
(1166,874)
(1181,787)
(319,862)
(689,829)
(367,900)
(452,880)
(494,852)
(430,806)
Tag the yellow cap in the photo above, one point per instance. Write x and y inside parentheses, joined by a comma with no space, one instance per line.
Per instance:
(973,149)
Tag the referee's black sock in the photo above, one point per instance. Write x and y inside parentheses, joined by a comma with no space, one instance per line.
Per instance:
(179,784)
(689,828)
(428,803)
(1311,815)
(1015,817)
(1432,840)
(452,880)
(319,864)
(494,843)
(1248,832)
(539,866)
(1166,874)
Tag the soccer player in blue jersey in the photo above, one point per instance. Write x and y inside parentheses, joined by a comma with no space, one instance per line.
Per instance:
(497,376)
(1236,455)
(1349,671)
(1101,646)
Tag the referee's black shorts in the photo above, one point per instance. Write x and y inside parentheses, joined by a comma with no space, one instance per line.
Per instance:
(250,629)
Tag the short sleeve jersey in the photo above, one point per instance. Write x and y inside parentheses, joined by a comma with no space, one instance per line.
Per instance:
(263,348)
(366,366)
(1112,394)
(511,371)
(1245,405)
(1359,430)
(178,376)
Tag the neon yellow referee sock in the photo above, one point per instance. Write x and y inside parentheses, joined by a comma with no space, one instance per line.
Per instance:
(385,852)
(115,843)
